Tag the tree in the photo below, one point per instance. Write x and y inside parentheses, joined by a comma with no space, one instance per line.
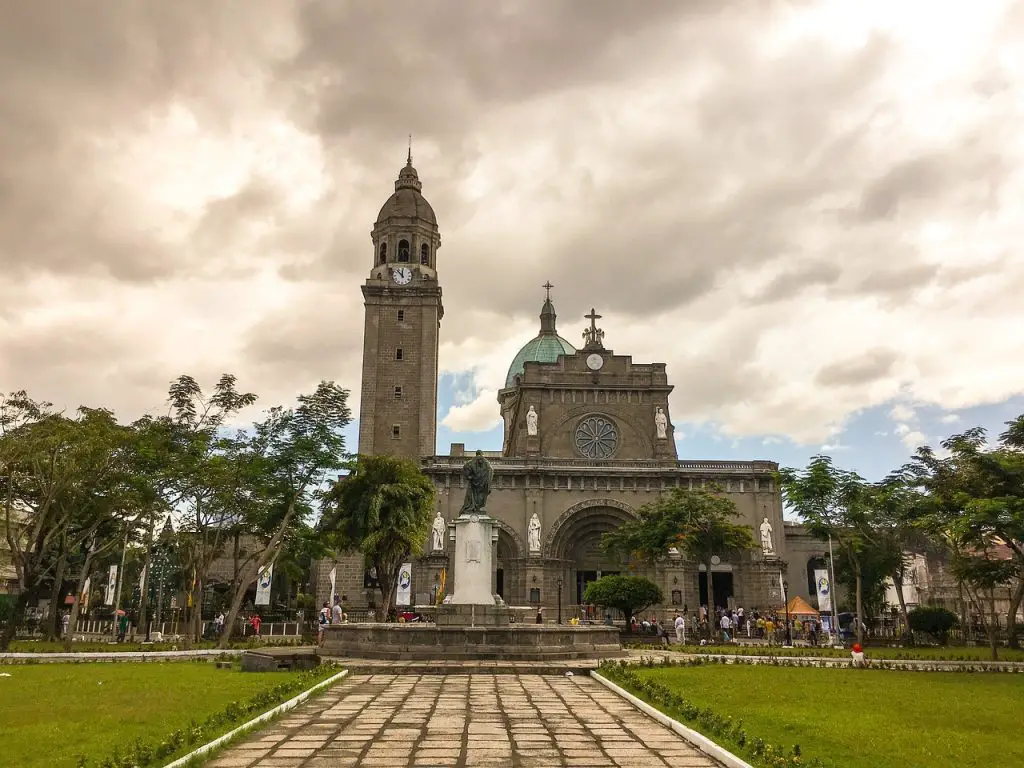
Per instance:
(834,503)
(629,594)
(698,523)
(62,481)
(286,460)
(973,501)
(201,481)
(383,507)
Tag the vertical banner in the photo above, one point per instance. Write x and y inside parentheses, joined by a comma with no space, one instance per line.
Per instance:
(403,593)
(84,598)
(782,590)
(334,582)
(111,586)
(824,589)
(264,579)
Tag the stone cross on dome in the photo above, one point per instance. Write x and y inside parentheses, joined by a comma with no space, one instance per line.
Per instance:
(593,336)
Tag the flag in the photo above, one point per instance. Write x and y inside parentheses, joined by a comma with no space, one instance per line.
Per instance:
(264,579)
(111,586)
(142,578)
(403,592)
(440,587)
(334,580)
(824,589)
(782,590)
(84,599)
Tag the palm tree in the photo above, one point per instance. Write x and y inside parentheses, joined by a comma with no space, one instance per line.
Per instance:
(383,508)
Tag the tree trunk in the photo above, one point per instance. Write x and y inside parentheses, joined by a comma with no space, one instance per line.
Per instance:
(242,582)
(709,630)
(53,624)
(83,574)
(387,578)
(897,581)
(143,622)
(17,617)
(1011,616)
(993,629)
(860,600)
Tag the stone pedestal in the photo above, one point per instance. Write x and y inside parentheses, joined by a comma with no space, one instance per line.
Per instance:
(472,560)
(533,445)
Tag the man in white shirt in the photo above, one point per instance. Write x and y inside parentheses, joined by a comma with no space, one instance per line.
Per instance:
(726,625)
(680,625)
(337,614)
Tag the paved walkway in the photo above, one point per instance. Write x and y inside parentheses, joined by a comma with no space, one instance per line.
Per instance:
(464,720)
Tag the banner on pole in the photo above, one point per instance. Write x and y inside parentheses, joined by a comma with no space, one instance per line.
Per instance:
(824,589)
(264,579)
(84,599)
(403,593)
(111,586)
(334,580)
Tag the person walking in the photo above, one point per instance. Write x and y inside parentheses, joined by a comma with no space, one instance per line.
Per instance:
(726,625)
(680,625)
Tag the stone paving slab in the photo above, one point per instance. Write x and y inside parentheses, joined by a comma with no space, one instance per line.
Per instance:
(445,667)
(464,720)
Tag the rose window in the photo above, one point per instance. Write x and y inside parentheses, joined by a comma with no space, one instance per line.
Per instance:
(596,437)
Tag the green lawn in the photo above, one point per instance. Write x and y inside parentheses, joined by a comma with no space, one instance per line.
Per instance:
(866,718)
(52,713)
(930,653)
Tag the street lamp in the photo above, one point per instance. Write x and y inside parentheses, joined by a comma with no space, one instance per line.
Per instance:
(559,584)
(789,629)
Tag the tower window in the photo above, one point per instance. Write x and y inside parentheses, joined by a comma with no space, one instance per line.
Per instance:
(403,250)
(396,431)
(383,253)
(398,354)
(398,393)
(401,315)
(424,254)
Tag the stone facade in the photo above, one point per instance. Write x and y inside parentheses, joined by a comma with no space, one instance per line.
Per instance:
(600,446)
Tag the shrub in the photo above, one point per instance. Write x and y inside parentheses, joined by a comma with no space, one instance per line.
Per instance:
(628,594)
(934,621)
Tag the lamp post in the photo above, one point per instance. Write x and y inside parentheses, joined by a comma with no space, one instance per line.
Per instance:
(559,584)
(789,628)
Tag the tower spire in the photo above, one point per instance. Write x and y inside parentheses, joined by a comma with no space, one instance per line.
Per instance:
(408,160)
(547,312)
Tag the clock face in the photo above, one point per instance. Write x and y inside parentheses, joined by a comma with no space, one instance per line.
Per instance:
(402,275)
(594,362)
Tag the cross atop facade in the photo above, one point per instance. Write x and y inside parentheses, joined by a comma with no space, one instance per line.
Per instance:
(547,287)
(593,335)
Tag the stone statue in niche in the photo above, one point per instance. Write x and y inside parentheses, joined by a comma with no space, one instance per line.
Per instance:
(437,532)
(533,534)
(661,423)
(531,422)
(767,546)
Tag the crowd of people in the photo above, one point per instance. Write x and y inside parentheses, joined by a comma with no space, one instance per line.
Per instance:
(732,624)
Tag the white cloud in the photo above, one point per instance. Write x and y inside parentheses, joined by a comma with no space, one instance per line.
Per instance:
(477,416)
(902,429)
(902,412)
(914,439)
(950,418)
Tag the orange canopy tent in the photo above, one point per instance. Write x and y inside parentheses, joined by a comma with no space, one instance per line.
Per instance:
(799,607)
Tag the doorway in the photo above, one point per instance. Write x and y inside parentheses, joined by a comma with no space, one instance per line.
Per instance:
(721,587)
(499,580)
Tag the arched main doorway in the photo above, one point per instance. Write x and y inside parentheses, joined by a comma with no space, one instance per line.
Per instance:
(506,577)
(575,542)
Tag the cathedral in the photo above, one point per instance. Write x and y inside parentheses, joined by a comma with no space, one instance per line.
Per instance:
(588,439)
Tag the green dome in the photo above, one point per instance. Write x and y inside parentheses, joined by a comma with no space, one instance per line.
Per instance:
(544,348)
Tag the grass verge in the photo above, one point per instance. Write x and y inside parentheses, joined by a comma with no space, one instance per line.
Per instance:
(784,716)
(114,715)
(959,653)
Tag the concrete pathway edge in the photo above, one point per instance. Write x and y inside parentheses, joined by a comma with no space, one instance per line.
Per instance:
(290,704)
(699,740)
(84,656)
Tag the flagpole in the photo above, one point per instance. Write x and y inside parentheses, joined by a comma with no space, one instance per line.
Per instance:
(832,591)
(120,581)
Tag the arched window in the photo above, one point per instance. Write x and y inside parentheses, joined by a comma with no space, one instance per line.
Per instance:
(383,253)
(403,250)
(425,254)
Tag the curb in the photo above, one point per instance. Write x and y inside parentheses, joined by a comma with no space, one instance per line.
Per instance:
(85,656)
(698,740)
(290,704)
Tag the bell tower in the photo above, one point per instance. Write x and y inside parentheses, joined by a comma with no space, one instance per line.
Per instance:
(398,406)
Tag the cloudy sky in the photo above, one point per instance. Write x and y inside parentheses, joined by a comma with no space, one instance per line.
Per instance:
(811,211)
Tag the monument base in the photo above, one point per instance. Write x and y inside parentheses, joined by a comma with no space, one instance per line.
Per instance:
(458,615)
(430,642)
